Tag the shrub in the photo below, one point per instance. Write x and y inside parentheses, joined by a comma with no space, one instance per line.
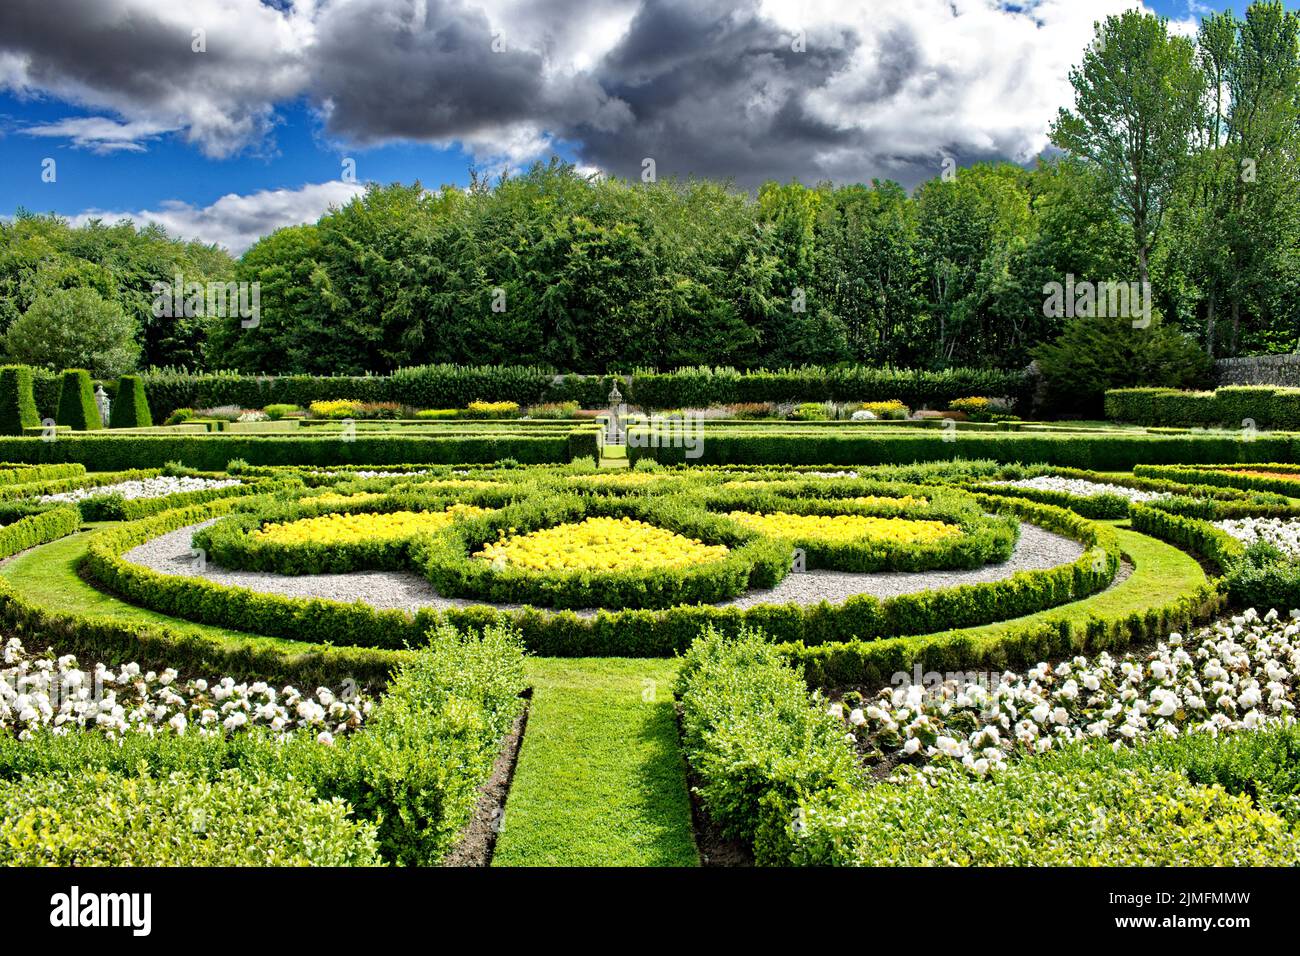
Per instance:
(558,410)
(754,740)
(65,328)
(889,410)
(102,819)
(335,408)
(1034,815)
(492,410)
(1094,354)
(811,412)
(180,416)
(77,408)
(438,414)
(17,400)
(276,412)
(976,408)
(130,409)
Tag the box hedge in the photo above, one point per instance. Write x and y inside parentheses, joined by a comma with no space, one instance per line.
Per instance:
(130,407)
(77,407)
(17,400)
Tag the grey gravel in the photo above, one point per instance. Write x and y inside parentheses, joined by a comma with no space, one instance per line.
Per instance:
(172,554)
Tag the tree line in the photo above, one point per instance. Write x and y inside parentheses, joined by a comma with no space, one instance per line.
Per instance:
(1175,166)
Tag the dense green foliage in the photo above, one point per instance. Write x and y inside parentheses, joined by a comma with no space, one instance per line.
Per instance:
(73,327)
(411,774)
(1034,814)
(17,400)
(130,406)
(1247,407)
(77,407)
(103,819)
(41,255)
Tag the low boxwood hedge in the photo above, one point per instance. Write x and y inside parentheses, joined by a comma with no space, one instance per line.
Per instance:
(629,633)
(753,560)
(90,817)
(411,775)
(108,452)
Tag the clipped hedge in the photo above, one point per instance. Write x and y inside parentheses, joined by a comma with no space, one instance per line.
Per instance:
(130,408)
(625,633)
(1037,813)
(17,400)
(411,774)
(77,407)
(37,529)
(916,388)
(32,474)
(1232,406)
(859,663)
(95,818)
(212,452)
(755,741)
(160,646)
(850,445)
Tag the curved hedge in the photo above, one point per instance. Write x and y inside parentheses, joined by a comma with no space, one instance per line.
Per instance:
(627,633)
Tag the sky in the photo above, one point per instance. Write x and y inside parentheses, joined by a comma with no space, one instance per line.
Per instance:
(226,119)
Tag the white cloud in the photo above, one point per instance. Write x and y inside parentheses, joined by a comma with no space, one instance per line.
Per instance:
(100,134)
(235,221)
(708,87)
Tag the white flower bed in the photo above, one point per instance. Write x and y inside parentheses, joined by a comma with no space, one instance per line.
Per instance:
(159,487)
(1081,487)
(1237,674)
(1281,534)
(43,692)
(374,474)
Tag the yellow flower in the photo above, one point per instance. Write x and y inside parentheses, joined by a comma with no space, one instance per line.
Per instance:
(356,528)
(600,544)
(840,529)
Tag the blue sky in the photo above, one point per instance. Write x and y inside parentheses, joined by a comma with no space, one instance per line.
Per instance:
(254,135)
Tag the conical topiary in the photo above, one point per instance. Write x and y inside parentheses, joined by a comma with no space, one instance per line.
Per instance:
(130,409)
(77,408)
(17,400)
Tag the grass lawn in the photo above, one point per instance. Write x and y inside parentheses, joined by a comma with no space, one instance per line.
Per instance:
(1160,572)
(47,576)
(600,780)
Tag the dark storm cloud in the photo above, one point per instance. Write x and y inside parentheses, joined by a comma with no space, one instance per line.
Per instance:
(716,90)
(704,87)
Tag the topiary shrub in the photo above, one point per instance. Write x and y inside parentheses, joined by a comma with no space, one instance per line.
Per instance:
(130,409)
(17,400)
(77,408)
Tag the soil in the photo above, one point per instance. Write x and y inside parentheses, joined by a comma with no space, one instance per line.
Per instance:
(713,847)
(479,837)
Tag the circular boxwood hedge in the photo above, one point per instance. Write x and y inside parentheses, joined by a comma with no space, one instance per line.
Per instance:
(230,542)
(752,560)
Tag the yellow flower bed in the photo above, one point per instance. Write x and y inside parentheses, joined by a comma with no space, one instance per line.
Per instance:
(356,528)
(600,544)
(906,501)
(621,478)
(334,498)
(839,529)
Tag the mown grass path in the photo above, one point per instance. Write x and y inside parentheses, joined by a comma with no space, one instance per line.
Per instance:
(600,780)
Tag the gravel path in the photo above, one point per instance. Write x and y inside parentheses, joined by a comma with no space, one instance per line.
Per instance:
(1036,550)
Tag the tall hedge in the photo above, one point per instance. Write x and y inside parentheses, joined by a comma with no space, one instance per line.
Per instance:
(77,408)
(131,408)
(17,400)
(455,386)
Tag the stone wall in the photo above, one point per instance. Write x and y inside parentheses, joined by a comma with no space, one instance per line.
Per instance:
(1259,370)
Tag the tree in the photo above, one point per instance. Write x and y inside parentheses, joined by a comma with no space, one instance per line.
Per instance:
(1094,354)
(67,328)
(1138,94)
